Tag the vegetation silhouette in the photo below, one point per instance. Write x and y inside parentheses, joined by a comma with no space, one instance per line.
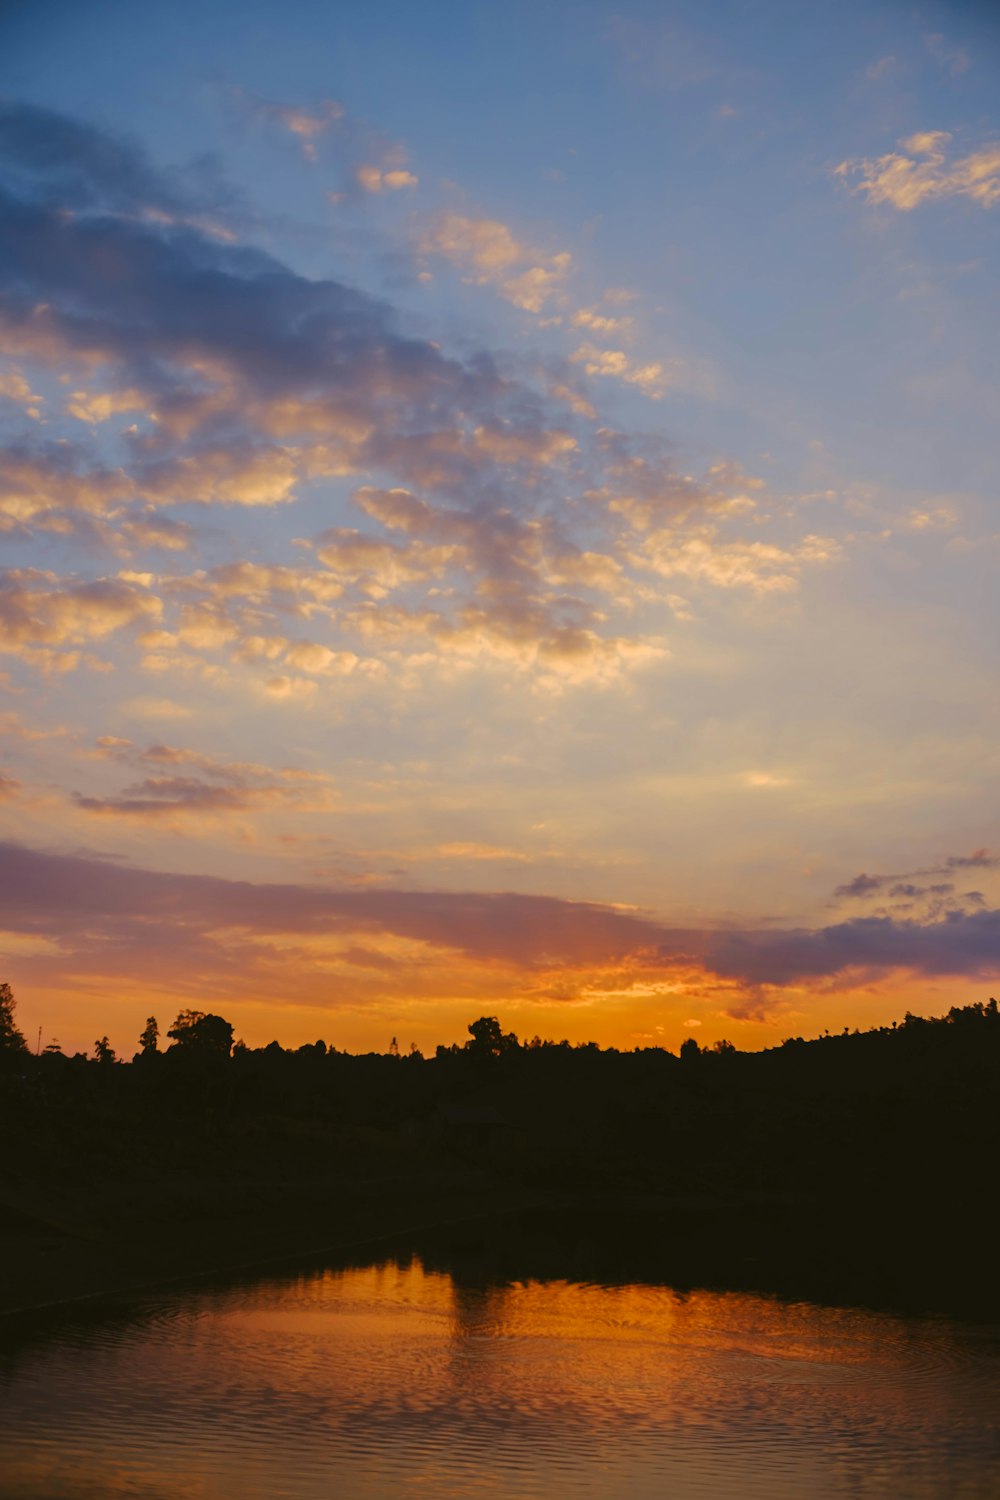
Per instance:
(865,1156)
(149,1040)
(11,1039)
(196,1033)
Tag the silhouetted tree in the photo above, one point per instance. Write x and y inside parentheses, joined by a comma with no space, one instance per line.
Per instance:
(207,1035)
(488,1038)
(11,1039)
(103,1050)
(149,1041)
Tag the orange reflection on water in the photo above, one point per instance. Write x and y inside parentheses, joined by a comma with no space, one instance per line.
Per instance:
(395,1379)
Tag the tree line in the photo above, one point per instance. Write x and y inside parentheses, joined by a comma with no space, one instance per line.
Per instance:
(873,1148)
(201,1034)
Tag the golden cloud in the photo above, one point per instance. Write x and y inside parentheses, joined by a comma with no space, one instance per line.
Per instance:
(488,254)
(922,171)
(650,378)
(383,180)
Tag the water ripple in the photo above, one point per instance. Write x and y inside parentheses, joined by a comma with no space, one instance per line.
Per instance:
(395,1381)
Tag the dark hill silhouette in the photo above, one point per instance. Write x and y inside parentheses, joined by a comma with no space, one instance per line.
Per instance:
(867,1158)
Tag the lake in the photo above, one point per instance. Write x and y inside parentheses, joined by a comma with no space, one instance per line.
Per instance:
(415,1376)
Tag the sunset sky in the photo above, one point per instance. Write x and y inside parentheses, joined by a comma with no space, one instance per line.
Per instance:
(498,514)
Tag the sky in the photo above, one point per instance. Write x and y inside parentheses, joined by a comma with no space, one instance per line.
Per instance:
(498,515)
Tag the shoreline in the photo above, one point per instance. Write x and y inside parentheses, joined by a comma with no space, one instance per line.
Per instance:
(780,1250)
(43,1252)
(275,1258)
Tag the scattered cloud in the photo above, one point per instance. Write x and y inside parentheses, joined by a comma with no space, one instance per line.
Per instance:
(488,254)
(921,894)
(222,476)
(979,859)
(702,554)
(650,378)
(38,608)
(922,171)
(597,322)
(861,885)
(99,406)
(184,784)
(151,529)
(252,383)
(954,59)
(16,389)
(305,124)
(383,180)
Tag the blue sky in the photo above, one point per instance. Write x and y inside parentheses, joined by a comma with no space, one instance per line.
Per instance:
(502,451)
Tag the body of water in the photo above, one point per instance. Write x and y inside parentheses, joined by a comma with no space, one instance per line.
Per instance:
(405,1378)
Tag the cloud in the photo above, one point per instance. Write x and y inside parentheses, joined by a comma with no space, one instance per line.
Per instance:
(43,481)
(95,907)
(83,897)
(189,784)
(650,378)
(94,407)
(922,172)
(702,555)
(38,608)
(170,796)
(979,859)
(221,476)
(488,254)
(201,328)
(959,944)
(882,67)
(305,124)
(383,180)
(147,707)
(478,852)
(16,389)
(597,322)
(373,162)
(377,567)
(513,570)
(67,163)
(297,591)
(503,519)
(955,59)
(868,885)
(151,529)
(921,894)
(205,337)
(14,728)
(507,588)
(292,689)
(310,656)
(861,885)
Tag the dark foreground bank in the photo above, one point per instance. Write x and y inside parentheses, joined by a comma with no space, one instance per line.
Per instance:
(855,1168)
